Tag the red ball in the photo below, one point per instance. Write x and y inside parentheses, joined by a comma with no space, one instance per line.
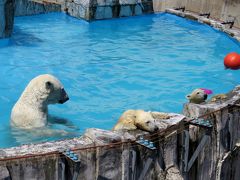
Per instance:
(232,61)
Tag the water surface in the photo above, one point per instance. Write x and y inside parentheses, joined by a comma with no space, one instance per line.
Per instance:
(147,62)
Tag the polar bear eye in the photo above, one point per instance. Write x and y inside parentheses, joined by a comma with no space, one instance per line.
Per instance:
(147,122)
(198,92)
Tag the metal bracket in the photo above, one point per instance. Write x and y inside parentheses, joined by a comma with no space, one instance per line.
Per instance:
(205,14)
(201,123)
(146,143)
(180,8)
(229,22)
(70,155)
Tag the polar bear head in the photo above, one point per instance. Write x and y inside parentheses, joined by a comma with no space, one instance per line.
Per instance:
(136,119)
(197,96)
(47,89)
(145,121)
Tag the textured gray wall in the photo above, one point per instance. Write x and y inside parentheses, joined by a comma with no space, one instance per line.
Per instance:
(6,17)
(27,7)
(220,9)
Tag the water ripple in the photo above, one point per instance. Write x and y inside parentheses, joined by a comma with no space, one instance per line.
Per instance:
(147,62)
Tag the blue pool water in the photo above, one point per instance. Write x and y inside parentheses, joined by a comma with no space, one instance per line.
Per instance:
(148,62)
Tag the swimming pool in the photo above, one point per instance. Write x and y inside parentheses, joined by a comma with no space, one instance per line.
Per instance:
(147,62)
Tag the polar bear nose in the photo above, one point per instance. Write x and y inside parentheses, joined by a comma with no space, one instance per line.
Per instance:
(64,96)
(156,128)
(205,96)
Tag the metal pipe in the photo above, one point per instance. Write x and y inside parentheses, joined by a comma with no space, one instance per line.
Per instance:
(205,14)
(229,22)
(181,8)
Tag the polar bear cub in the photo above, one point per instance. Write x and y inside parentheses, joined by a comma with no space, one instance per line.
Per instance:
(136,119)
(198,96)
(31,109)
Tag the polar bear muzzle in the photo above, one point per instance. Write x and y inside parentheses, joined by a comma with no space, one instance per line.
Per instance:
(64,96)
(205,96)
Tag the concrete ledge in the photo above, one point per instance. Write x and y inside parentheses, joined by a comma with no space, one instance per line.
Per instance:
(234,32)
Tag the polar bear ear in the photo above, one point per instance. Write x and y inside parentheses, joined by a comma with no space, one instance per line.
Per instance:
(48,85)
(188,96)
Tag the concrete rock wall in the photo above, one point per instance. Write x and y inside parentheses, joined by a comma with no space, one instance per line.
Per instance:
(110,162)
(27,7)
(225,138)
(220,9)
(99,9)
(6,18)
(11,8)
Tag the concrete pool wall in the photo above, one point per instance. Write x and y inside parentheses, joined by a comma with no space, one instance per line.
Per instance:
(27,7)
(223,10)
(183,150)
(6,17)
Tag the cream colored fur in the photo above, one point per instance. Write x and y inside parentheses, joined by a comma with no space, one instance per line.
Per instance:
(31,109)
(198,96)
(138,119)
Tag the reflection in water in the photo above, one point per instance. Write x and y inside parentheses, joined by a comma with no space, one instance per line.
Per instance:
(57,128)
(54,120)
(24,38)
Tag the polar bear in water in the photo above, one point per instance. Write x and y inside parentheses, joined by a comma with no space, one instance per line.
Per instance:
(31,110)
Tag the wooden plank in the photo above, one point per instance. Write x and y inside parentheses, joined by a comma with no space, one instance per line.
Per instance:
(76,170)
(145,169)
(130,167)
(186,150)
(63,170)
(161,161)
(201,145)
(132,164)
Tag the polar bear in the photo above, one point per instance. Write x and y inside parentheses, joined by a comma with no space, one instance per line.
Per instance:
(198,96)
(136,119)
(31,109)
